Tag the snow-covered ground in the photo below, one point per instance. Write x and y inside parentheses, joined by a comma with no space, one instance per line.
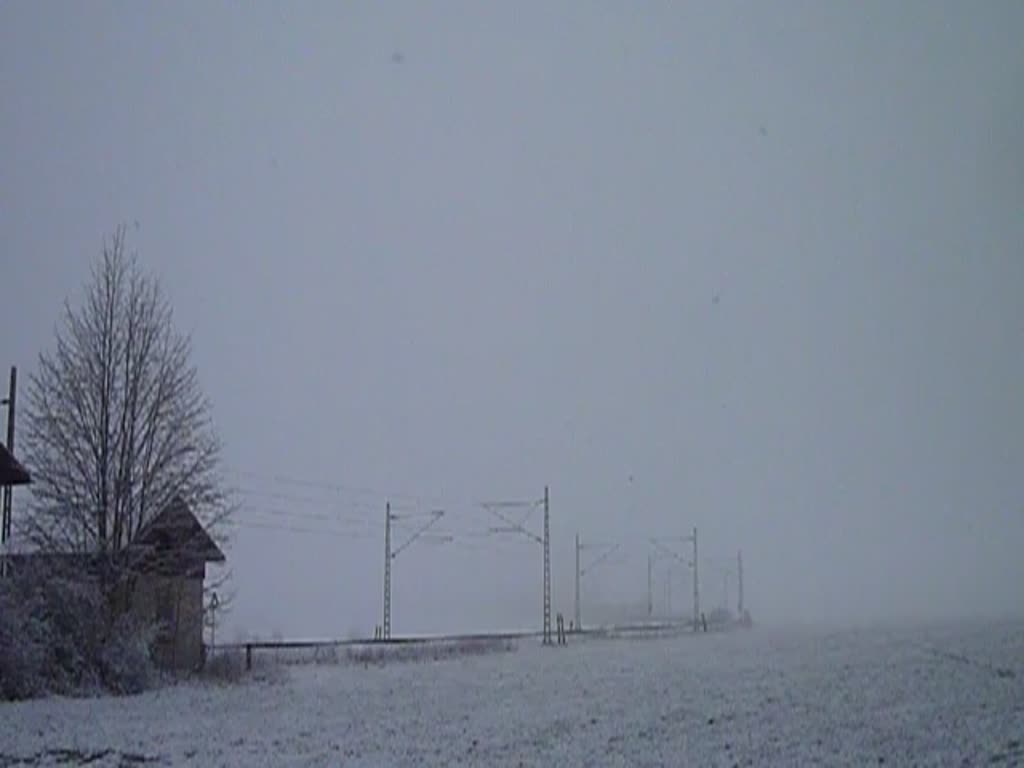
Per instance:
(943,695)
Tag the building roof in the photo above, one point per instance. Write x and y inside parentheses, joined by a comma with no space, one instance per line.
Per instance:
(11,471)
(175,536)
(174,543)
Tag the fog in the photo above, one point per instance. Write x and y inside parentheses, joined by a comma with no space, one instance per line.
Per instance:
(750,268)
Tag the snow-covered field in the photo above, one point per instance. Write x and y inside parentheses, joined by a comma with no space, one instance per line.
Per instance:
(925,696)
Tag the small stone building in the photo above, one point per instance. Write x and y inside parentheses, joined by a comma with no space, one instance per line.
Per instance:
(167,563)
(158,578)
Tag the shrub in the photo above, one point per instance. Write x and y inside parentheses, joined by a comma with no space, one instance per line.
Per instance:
(72,613)
(23,648)
(55,637)
(223,666)
(125,660)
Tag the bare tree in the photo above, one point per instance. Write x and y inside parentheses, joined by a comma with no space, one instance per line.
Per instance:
(117,425)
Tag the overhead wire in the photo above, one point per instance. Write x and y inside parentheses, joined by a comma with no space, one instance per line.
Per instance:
(329,491)
(299,529)
(347,505)
(337,488)
(328,518)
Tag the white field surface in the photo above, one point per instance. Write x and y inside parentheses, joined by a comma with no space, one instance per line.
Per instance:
(945,696)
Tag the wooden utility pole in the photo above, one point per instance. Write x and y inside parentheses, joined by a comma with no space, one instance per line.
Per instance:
(5,515)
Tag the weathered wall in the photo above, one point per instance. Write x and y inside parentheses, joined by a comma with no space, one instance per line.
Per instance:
(176,606)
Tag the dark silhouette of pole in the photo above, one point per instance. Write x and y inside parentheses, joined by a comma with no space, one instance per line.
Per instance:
(390,554)
(668,594)
(609,550)
(662,549)
(696,588)
(739,571)
(518,527)
(386,630)
(578,624)
(214,605)
(547,570)
(5,516)
(650,585)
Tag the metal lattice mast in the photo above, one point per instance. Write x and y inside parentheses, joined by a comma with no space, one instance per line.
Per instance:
(579,624)
(696,590)
(390,553)
(662,549)
(650,585)
(583,570)
(739,571)
(668,594)
(511,525)
(386,630)
(547,570)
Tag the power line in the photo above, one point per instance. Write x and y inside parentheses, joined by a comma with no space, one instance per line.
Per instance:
(390,554)
(300,515)
(495,548)
(415,502)
(360,528)
(327,510)
(296,499)
(337,488)
(299,529)
(603,558)
(357,507)
(471,534)
(510,504)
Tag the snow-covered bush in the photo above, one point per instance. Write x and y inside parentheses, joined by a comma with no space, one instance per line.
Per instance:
(72,614)
(125,660)
(23,647)
(56,637)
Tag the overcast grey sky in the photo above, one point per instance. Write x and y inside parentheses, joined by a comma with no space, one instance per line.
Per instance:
(752,267)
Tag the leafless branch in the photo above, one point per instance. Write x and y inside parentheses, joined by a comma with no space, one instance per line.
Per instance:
(117,424)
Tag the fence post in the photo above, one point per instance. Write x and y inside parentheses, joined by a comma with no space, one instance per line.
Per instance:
(248,656)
